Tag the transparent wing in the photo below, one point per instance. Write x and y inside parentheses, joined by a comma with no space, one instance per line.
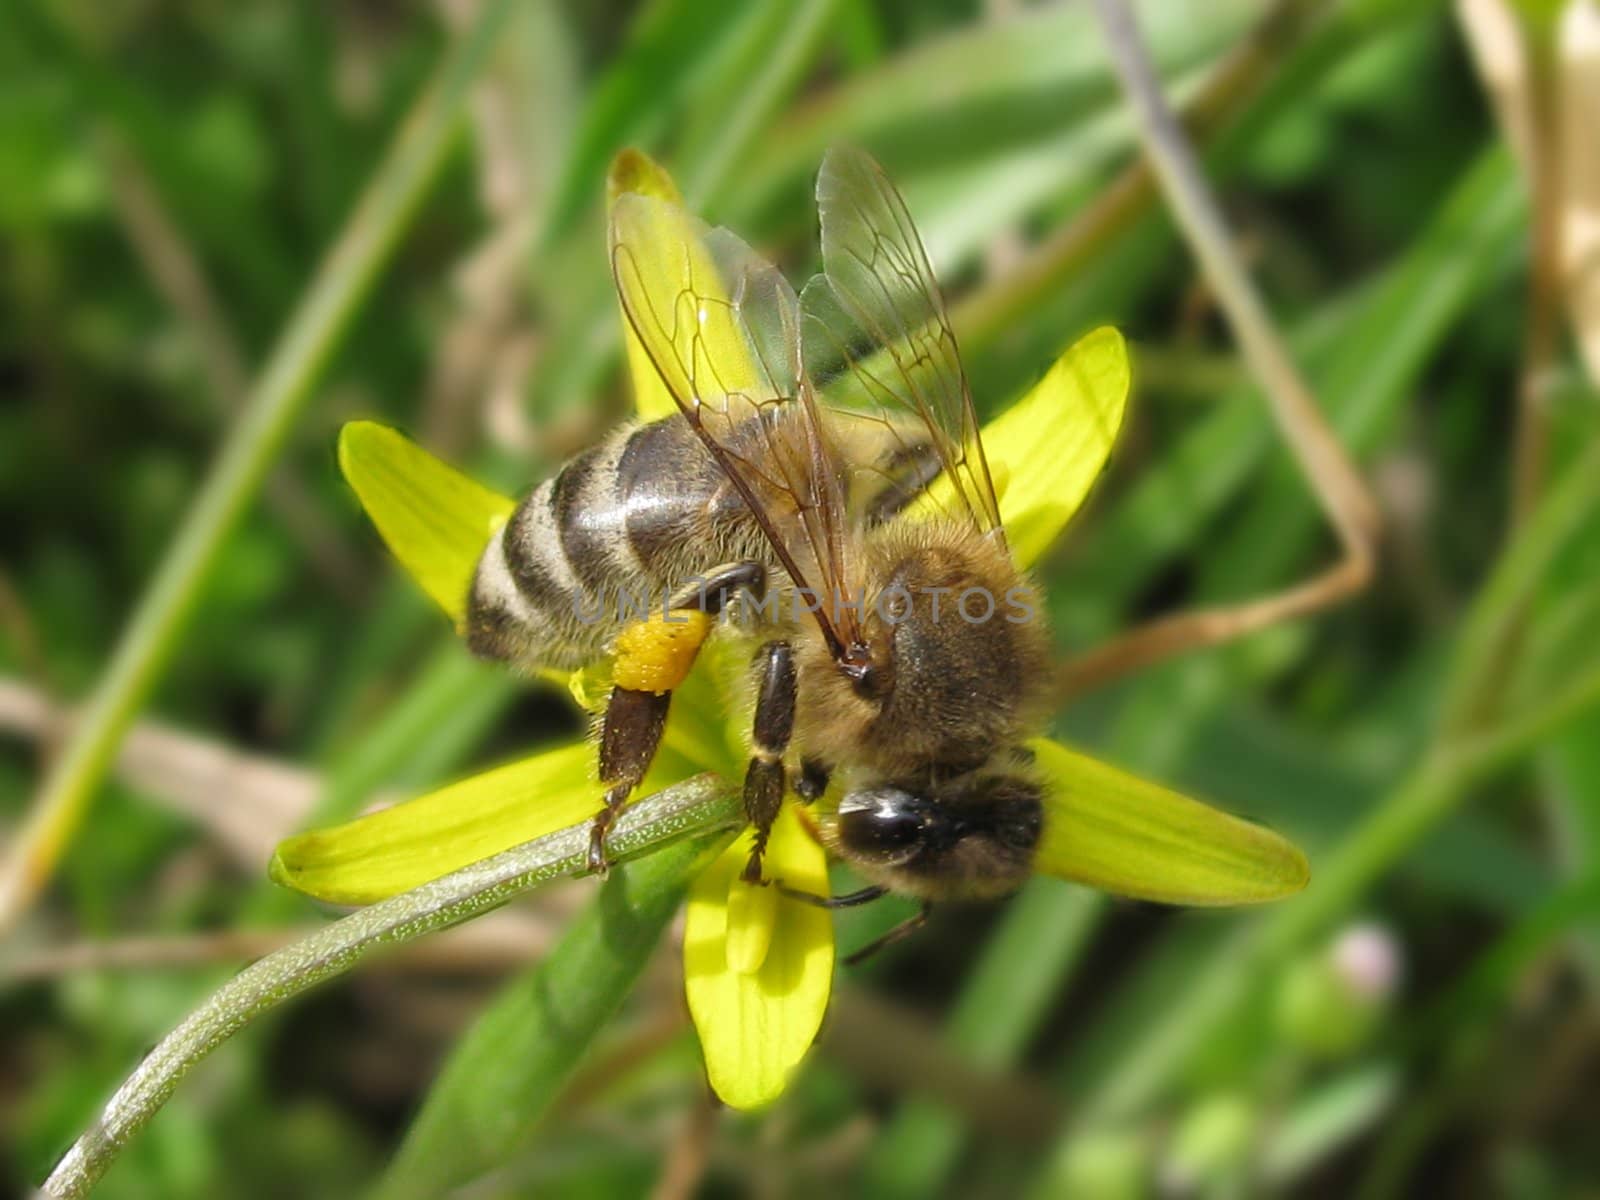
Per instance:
(722,327)
(879,344)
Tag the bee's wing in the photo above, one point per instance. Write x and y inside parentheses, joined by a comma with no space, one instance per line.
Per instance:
(722,327)
(877,339)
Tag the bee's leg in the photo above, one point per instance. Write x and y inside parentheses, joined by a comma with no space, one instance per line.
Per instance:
(652,657)
(710,594)
(865,895)
(774,721)
(630,732)
(912,471)
(813,780)
(909,926)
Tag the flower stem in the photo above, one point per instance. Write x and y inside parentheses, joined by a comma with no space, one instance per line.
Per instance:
(696,808)
(503,1075)
(280,393)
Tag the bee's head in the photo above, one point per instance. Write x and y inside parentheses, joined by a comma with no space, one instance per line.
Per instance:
(970,836)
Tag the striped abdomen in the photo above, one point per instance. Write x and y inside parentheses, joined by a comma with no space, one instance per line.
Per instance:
(620,526)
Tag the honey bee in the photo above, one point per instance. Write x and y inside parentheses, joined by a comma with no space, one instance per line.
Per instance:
(821,490)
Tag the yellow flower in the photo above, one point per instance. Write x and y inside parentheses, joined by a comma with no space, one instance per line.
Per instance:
(758,966)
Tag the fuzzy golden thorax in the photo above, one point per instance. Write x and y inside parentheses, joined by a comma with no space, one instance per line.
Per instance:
(960,658)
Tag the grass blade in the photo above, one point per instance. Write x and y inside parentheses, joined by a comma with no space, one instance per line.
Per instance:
(280,394)
(504,1074)
(697,811)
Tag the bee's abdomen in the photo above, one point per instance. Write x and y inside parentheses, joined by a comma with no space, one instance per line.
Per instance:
(620,523)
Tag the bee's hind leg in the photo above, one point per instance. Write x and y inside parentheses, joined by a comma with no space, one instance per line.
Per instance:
(630,732)
(652,657)
(764,777)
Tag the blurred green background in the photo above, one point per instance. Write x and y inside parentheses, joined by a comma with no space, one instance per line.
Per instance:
(175,175)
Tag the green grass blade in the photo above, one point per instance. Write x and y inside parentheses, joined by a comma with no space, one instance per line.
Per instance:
(1407,813)
(1041,937)
(1361,354)
(672,827)
(504,1074)
(284,387)
(758,77)
(667,47)
(976,93)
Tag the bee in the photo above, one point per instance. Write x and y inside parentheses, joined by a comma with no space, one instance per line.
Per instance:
(823,481)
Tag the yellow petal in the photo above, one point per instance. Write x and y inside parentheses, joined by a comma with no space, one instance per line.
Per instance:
(634,171)
(671,282)
(758,1012)
(1110,830)
(1046,449)
(419,840)
(752,918)
(435,520)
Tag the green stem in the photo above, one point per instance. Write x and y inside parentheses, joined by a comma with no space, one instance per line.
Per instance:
(1473,996)
(1429,794)
(691,810)
(504,1074)
(1546,287)
(1491,624)
(279,395)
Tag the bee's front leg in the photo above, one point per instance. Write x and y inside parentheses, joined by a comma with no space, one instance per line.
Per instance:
(907,927)
(764,779)
(813,780)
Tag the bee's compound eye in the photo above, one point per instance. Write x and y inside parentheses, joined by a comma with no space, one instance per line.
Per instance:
(883,824)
